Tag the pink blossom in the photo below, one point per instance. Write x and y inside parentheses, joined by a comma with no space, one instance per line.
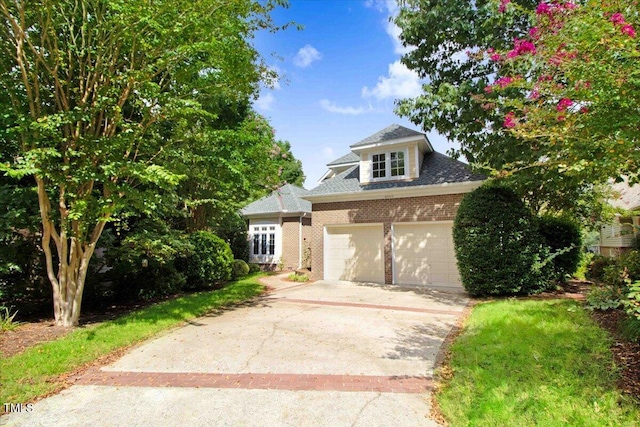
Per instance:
(490,50)
(569,5)
(544,9)
(545,78)
(564,103)
(628,30)
(584,110)
(496,57)
(535,94)
(617,19)
(561,118)
(503,5)
(521,46)
(488,89)
(510,120)
(504,81)
(534,33)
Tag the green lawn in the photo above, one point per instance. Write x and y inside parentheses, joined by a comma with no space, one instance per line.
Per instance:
(34,373)
(533,363)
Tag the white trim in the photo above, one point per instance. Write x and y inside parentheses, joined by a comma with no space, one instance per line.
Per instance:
(391,142)
(387,166)
(300,242)
(418,161)
(397,192)
(393,256)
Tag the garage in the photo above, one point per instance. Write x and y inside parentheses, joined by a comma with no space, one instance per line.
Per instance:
(354,253)
(423,254)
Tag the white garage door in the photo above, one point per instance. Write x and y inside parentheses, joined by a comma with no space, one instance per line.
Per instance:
(423,254)
(354,252)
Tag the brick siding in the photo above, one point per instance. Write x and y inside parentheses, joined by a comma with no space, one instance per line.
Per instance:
(385,211)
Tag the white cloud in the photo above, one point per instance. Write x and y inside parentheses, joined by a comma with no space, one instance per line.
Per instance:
(333,108)
(400,83)
(265,102)
(391,9)
(306,55)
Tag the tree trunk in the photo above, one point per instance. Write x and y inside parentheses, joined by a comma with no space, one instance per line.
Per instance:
(68,277)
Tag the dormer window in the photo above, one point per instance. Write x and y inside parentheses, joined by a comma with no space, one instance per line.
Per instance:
(397,163)
(379,166)
(388,165)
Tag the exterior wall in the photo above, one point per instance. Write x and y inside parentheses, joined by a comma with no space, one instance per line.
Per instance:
(617,235)
(290,243)
(305,262)
(385,211)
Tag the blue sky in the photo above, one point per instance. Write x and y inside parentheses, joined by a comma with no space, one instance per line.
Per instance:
(340,77)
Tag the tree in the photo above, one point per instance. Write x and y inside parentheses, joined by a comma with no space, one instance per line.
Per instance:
(452,42)
(570,89)
(97,89)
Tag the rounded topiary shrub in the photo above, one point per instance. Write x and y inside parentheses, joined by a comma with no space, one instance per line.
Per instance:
(498,248)
(239,268)
(210,263)
(562,237)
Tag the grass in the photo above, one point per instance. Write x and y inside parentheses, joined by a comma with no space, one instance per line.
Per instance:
(36,372)
(533,363)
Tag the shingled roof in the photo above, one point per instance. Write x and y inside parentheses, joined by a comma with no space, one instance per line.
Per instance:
(388,134)
(285,199)
(436,169)
(347,158)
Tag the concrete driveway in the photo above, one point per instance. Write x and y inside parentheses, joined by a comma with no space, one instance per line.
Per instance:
(327,353)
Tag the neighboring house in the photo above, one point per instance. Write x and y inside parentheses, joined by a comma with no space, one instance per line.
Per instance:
(280,229)
(619,235)
(384,212)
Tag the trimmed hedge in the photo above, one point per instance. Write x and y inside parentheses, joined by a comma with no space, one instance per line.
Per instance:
(497,244)
(211,262)
(239,268)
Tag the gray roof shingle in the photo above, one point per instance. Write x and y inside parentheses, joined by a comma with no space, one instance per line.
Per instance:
(347,158)
(285,199)
(388,134)
(436,169)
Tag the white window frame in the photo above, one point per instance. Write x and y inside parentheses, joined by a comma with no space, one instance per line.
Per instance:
(264,239)
(387,165)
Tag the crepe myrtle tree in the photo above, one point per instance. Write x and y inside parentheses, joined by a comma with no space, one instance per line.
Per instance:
(454,46)
(92,87)
(570,89)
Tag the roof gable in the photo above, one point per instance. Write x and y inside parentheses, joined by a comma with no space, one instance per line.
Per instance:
(346,159)
(285,200)
(390,133)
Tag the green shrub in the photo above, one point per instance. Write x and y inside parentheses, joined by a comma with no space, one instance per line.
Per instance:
(497,245)
(630,262)
(239,268)
(632,302)
(604,297)
(210,263)
(583,265)
(563,237)
(295,277)
(254,268)
(597,266)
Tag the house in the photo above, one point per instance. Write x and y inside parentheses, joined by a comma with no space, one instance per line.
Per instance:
(619,235)
(280,229)
(384,212)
